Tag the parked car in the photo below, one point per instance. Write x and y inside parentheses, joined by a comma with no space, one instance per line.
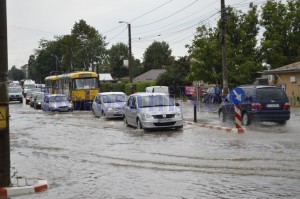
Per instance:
(261,103)
(109,104)
(152,110)
(38,100)
(15,94)
(56,102)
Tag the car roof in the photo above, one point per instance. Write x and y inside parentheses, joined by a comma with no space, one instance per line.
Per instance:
(111,93)
(55,95)
(147,94)
(258,86)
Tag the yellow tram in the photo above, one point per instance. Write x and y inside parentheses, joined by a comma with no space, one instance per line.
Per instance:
(51,84)
(80,87)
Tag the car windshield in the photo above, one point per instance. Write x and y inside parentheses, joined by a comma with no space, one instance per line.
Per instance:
(58,98)
(86,83)
(112,98)
(15,90)
(154,100)
(271,93)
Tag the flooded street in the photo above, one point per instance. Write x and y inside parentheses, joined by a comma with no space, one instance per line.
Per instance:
(82,156)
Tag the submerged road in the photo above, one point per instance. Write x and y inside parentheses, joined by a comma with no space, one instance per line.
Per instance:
(82,156)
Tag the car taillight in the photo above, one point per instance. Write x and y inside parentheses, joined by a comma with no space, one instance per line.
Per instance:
(256,106)
(286,106)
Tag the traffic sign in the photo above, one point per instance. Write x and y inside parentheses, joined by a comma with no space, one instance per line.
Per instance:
(237,96)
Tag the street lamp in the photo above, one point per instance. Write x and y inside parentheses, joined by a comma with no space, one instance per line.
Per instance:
(129,50)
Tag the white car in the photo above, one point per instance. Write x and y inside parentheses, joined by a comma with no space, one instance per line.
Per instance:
(109,104)
(152,110)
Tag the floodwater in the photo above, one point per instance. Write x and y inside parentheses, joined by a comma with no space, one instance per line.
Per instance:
(82,156)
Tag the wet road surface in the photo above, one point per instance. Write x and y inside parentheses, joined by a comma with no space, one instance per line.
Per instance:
(82,156)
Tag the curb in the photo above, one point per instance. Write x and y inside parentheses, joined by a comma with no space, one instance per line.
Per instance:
(221,128)
(40,186)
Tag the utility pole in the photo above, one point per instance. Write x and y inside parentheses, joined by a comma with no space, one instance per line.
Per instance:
(129,50)
(130,54)
(224,50)
(4,109)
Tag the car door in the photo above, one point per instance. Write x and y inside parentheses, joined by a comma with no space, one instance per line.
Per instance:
(97,105)
(46,104)
(130,110)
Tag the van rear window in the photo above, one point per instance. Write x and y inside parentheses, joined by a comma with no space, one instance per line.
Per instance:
(271,93)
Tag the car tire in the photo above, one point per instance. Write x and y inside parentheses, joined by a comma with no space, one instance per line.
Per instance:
(282,122)
(222,116)
(125,121)
(139,124)
(245,119)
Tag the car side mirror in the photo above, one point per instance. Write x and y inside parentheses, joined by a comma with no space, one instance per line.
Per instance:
(177,104)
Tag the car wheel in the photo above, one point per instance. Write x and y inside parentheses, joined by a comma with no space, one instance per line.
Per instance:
(139,124)
(222,116)
(245,119)
(93,111)
(125,121)
(282,122)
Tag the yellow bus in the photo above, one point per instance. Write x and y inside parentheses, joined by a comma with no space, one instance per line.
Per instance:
(79,87)
(51,84)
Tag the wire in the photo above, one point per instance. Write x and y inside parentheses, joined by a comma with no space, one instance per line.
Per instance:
(151,10)
(168,15)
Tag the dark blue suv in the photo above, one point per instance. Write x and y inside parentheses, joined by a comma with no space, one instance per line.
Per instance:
(261,103)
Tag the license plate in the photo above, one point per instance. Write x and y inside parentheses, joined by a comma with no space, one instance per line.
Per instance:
(273,105)
(164,120)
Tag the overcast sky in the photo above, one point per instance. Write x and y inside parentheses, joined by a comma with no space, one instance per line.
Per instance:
(173,21)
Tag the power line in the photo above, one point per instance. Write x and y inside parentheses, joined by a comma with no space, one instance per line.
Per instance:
(151,10)
(168,15)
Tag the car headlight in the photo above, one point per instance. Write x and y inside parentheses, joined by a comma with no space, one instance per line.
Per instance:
(39,103)
(109,109)
(146,115)
(178,114)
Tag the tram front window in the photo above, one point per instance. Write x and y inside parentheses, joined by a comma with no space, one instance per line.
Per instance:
(87,83)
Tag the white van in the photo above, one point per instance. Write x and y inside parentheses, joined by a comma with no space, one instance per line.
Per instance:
(157,89)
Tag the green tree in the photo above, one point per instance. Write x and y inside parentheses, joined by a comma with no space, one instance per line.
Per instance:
(280,44)
(242,55)
(15,74)
(157,55)
(116,55)
(82,49)
(90,46)
(175,74)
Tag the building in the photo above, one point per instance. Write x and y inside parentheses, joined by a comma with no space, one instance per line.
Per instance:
(105,77)
(149,76)
(288,77)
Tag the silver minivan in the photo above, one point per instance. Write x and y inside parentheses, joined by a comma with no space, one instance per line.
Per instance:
(152,110)
(109,104)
